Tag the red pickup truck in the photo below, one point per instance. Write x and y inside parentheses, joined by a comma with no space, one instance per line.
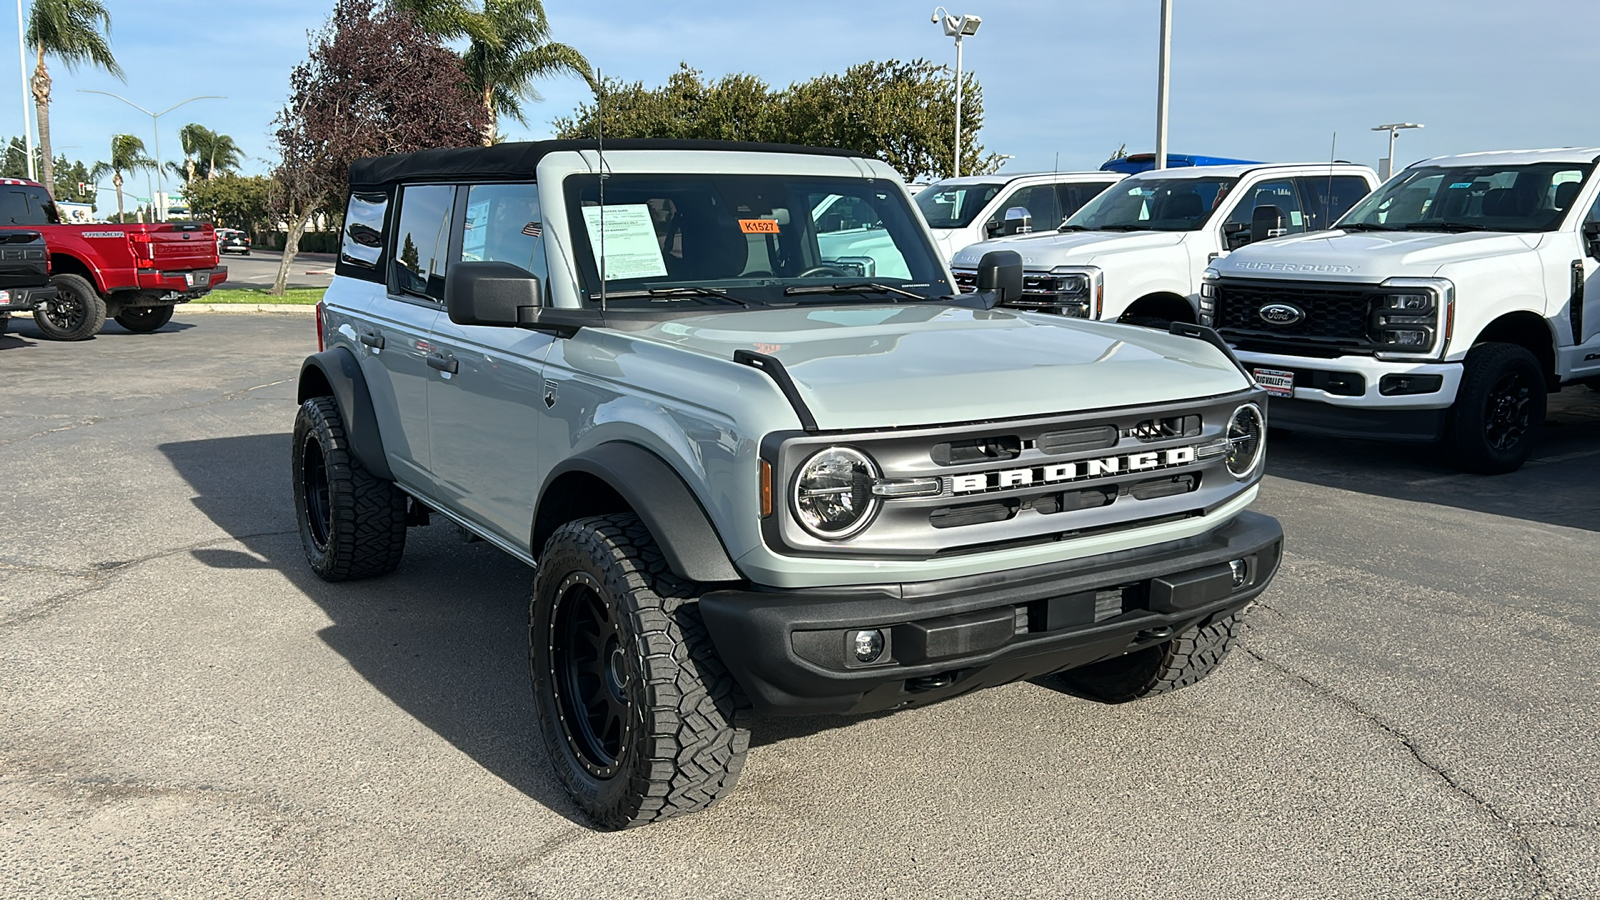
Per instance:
(132,273)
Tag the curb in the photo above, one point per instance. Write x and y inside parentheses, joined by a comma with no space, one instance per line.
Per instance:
(291,308)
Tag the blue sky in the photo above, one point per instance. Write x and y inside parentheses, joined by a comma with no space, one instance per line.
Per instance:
(1258,79)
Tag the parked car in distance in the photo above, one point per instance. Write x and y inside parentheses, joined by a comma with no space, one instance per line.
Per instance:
(1134,163)
(966,210)
(1442,307)
(1136,253)
(232,240)
(24,274)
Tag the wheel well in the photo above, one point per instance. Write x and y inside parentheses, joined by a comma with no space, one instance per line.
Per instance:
(1529,331)
(62,264)
(313,383)
(573,495)
(1170,307)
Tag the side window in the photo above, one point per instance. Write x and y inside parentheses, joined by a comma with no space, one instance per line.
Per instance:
(26,205)
(422,239)
(504,224)
(1072,197)
(362,243)
(1040,201)
(1326,199)
(1271,193)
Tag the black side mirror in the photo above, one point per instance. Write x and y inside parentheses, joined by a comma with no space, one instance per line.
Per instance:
(1591,239)
(1000,272)
(489,293)
(991,227)
(1266,222)
(1018,221)
(1235,235)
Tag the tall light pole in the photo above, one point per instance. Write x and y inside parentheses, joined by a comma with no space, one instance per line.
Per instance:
(1388,163)
(155,125)
(27,124)
(957,27)
(1162,76)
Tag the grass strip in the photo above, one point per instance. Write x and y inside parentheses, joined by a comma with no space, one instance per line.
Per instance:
(296,296)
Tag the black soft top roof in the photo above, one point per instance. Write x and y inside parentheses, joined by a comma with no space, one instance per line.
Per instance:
(508,161)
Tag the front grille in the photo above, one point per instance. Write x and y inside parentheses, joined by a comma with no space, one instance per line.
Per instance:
(1336,316)
(1040,291)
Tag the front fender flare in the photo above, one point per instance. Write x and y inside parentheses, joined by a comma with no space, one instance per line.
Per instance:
(339,369)
(663,502)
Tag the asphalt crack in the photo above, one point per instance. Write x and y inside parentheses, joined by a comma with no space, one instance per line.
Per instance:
(1530,857)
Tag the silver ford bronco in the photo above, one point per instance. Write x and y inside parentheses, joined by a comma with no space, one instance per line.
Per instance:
(760,452)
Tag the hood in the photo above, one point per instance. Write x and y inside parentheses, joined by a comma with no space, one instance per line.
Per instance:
(863,367)
(1368,256)
(1050,249)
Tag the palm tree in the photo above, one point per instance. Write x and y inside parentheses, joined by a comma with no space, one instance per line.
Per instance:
(503,70)
(127,155)
(70,31)
(204,152)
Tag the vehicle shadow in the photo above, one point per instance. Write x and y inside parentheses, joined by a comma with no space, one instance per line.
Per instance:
(444,638)
(14,341)
(1557,486)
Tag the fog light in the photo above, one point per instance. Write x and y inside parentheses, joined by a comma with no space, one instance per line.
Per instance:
(1241,572)
(868,645)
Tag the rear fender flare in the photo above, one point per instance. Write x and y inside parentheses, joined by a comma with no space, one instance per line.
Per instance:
(337,372)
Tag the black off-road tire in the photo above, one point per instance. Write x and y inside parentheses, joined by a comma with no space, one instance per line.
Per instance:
(5,323)
(1499,410)
(640,717)
(352,523)
(1190,656)
(76,314)
(144,319)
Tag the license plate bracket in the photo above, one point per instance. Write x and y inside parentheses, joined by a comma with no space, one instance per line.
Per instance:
(1277,382)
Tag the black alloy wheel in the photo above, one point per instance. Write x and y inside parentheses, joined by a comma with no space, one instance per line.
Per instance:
(590,675)
(1499,409)
(1509,412)
(144,319)
(76,314)
(315,489)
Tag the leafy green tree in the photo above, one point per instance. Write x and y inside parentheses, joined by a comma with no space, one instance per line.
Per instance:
(127,155)
(73,32)
(503,70)
(231,201)
(900,112)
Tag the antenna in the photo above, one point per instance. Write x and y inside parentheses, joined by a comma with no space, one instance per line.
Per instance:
(600,144)
(1058,163)
(1327,205)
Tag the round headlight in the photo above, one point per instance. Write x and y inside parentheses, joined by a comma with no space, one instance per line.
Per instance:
(1247,434)
(833,493)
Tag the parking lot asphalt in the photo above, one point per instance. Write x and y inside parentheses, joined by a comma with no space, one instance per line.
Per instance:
(260,268)
(185,711)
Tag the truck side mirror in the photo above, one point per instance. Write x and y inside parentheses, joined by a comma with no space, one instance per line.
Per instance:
(1266,222)
(1591,239)
(1000,272)
(1235,235)
(1018,221)
(489,293)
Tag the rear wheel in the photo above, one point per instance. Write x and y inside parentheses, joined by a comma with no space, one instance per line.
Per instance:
(144,319)
(1499,409)
(76,314)
(1186,659)
(352,523)
(640,717)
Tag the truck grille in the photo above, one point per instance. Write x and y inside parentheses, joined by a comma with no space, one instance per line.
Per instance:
(1337,317)
(1039,292)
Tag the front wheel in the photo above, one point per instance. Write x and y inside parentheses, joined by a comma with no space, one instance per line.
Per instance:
(1499,409)
(76,314)
(641,719)
(1190,656)
(144,319)
(352,523)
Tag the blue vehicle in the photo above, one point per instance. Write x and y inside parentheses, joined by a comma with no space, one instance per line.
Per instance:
(1144,162)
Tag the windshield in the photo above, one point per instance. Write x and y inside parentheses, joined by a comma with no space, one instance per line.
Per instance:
(1532,197)
(955,205)
(1152,204)
(739,239)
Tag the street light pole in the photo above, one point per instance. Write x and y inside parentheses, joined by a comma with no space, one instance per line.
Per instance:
(957,27)
(1162,77)
(1388,163)
(27,124)
(155,125)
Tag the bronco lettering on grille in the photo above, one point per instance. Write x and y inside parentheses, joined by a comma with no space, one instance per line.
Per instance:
(1072,471)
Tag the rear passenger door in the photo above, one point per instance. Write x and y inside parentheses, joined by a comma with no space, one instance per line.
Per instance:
(396,328)
(1326,198)
(1072,196)
(487,394)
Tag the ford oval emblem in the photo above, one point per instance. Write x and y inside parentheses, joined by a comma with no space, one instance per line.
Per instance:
(1281,314)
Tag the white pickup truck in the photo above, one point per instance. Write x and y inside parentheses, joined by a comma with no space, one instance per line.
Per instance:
(966,210)
(1443,306)
(1137,252)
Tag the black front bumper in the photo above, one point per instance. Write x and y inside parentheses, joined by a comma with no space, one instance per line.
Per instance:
(1313,417)
(26,299)
(791,650)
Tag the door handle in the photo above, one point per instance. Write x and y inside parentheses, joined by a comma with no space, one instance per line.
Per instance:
(372,339)
(444,363)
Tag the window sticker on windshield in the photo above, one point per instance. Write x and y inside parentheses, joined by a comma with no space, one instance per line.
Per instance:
(1461,184)
(1294,217)
(758,226)
(631,247)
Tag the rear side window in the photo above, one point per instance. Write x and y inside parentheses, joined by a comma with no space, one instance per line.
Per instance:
(1073,196)
(504,224)
(1040,201)
(1326,199)
(22,204)
(422,239)
(361,247)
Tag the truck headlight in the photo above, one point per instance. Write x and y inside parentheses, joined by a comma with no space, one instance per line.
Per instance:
(1077,291)
(833,496)
(1247,437)
(1208,297)
(1413,315)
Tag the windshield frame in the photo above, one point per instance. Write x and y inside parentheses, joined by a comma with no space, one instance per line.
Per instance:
(901,225)
(1389,191)
(1119,190)
(995,188)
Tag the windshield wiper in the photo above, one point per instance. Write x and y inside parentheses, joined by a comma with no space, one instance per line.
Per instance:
(1364,226)
(1442,226)
(1124,228)
(864,287)
(668,293)
(1066,227)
